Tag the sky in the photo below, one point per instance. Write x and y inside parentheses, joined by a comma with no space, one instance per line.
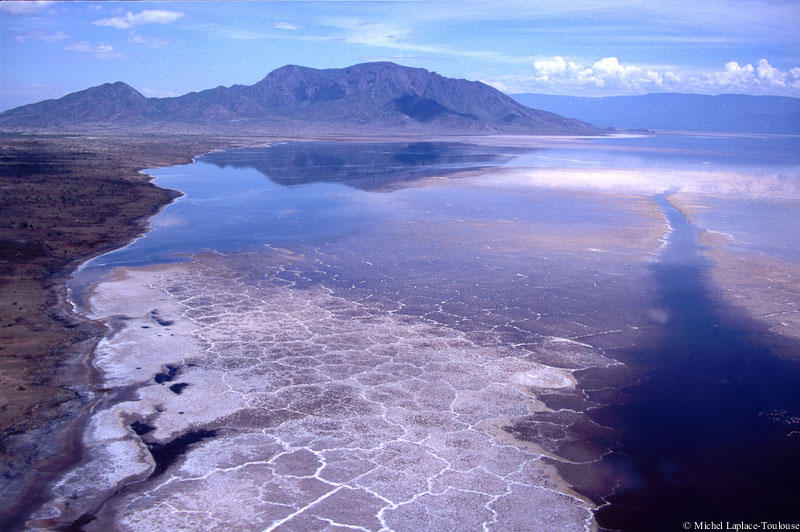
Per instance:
(571,47)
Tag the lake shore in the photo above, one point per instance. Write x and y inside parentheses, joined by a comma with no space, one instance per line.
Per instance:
(140,451)
(482,383)
(65,199)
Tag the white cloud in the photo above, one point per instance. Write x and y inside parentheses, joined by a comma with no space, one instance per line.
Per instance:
(381,34)
(761,79)
(287,26)
(609,77)
(607,73)
(23,8)
(42,36)
(152,42)
(89,48)
(559,69)
(148,16)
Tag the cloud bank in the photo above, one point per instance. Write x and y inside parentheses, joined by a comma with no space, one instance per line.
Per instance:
(608,76)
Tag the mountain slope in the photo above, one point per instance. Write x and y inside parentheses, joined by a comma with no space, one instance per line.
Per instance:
(105,103)
(734,113)
(367,97)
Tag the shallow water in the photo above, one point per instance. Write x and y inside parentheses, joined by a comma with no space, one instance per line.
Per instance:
(753,154)
(767,225)
(709,430)
(312,192)
(546,276)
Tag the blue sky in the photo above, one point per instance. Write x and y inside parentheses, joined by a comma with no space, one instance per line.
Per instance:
(585,48)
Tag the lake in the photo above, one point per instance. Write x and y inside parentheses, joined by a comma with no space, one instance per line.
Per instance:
(440,335)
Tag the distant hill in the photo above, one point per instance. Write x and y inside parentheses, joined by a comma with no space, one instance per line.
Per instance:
(734,113)
(365,98)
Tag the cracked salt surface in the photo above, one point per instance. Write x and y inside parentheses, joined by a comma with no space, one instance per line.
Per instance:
(328,415)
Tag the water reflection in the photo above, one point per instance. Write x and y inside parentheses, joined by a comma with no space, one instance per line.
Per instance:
(229,207)
(364,166)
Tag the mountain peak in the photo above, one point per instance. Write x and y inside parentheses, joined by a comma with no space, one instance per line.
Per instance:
(109,102)
(120,85)
(118,89)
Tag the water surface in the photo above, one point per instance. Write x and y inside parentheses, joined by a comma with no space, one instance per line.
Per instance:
(702,417)
(706,431)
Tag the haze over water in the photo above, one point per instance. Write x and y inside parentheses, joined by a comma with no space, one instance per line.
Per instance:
(555,262)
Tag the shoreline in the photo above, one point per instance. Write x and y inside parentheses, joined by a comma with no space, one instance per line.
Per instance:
(43,392)
(525,379)
(64,276)
(45,341)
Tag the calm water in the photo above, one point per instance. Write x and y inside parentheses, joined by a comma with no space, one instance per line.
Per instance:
(754,154)
(240,200)
(703,432)
(243,198)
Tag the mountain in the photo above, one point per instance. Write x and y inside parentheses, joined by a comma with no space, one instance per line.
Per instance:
(108,103)
(366,98)
(733,113)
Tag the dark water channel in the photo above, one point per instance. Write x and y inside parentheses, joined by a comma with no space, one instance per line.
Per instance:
(707,433)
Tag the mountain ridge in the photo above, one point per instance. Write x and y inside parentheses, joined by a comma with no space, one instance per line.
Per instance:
(365,97)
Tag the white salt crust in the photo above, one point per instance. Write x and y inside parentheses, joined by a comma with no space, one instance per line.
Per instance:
(329,415)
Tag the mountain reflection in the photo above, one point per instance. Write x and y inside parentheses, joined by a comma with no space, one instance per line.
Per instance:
(367,166)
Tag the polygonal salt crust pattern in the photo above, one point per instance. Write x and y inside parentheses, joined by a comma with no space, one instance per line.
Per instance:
(329,415)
